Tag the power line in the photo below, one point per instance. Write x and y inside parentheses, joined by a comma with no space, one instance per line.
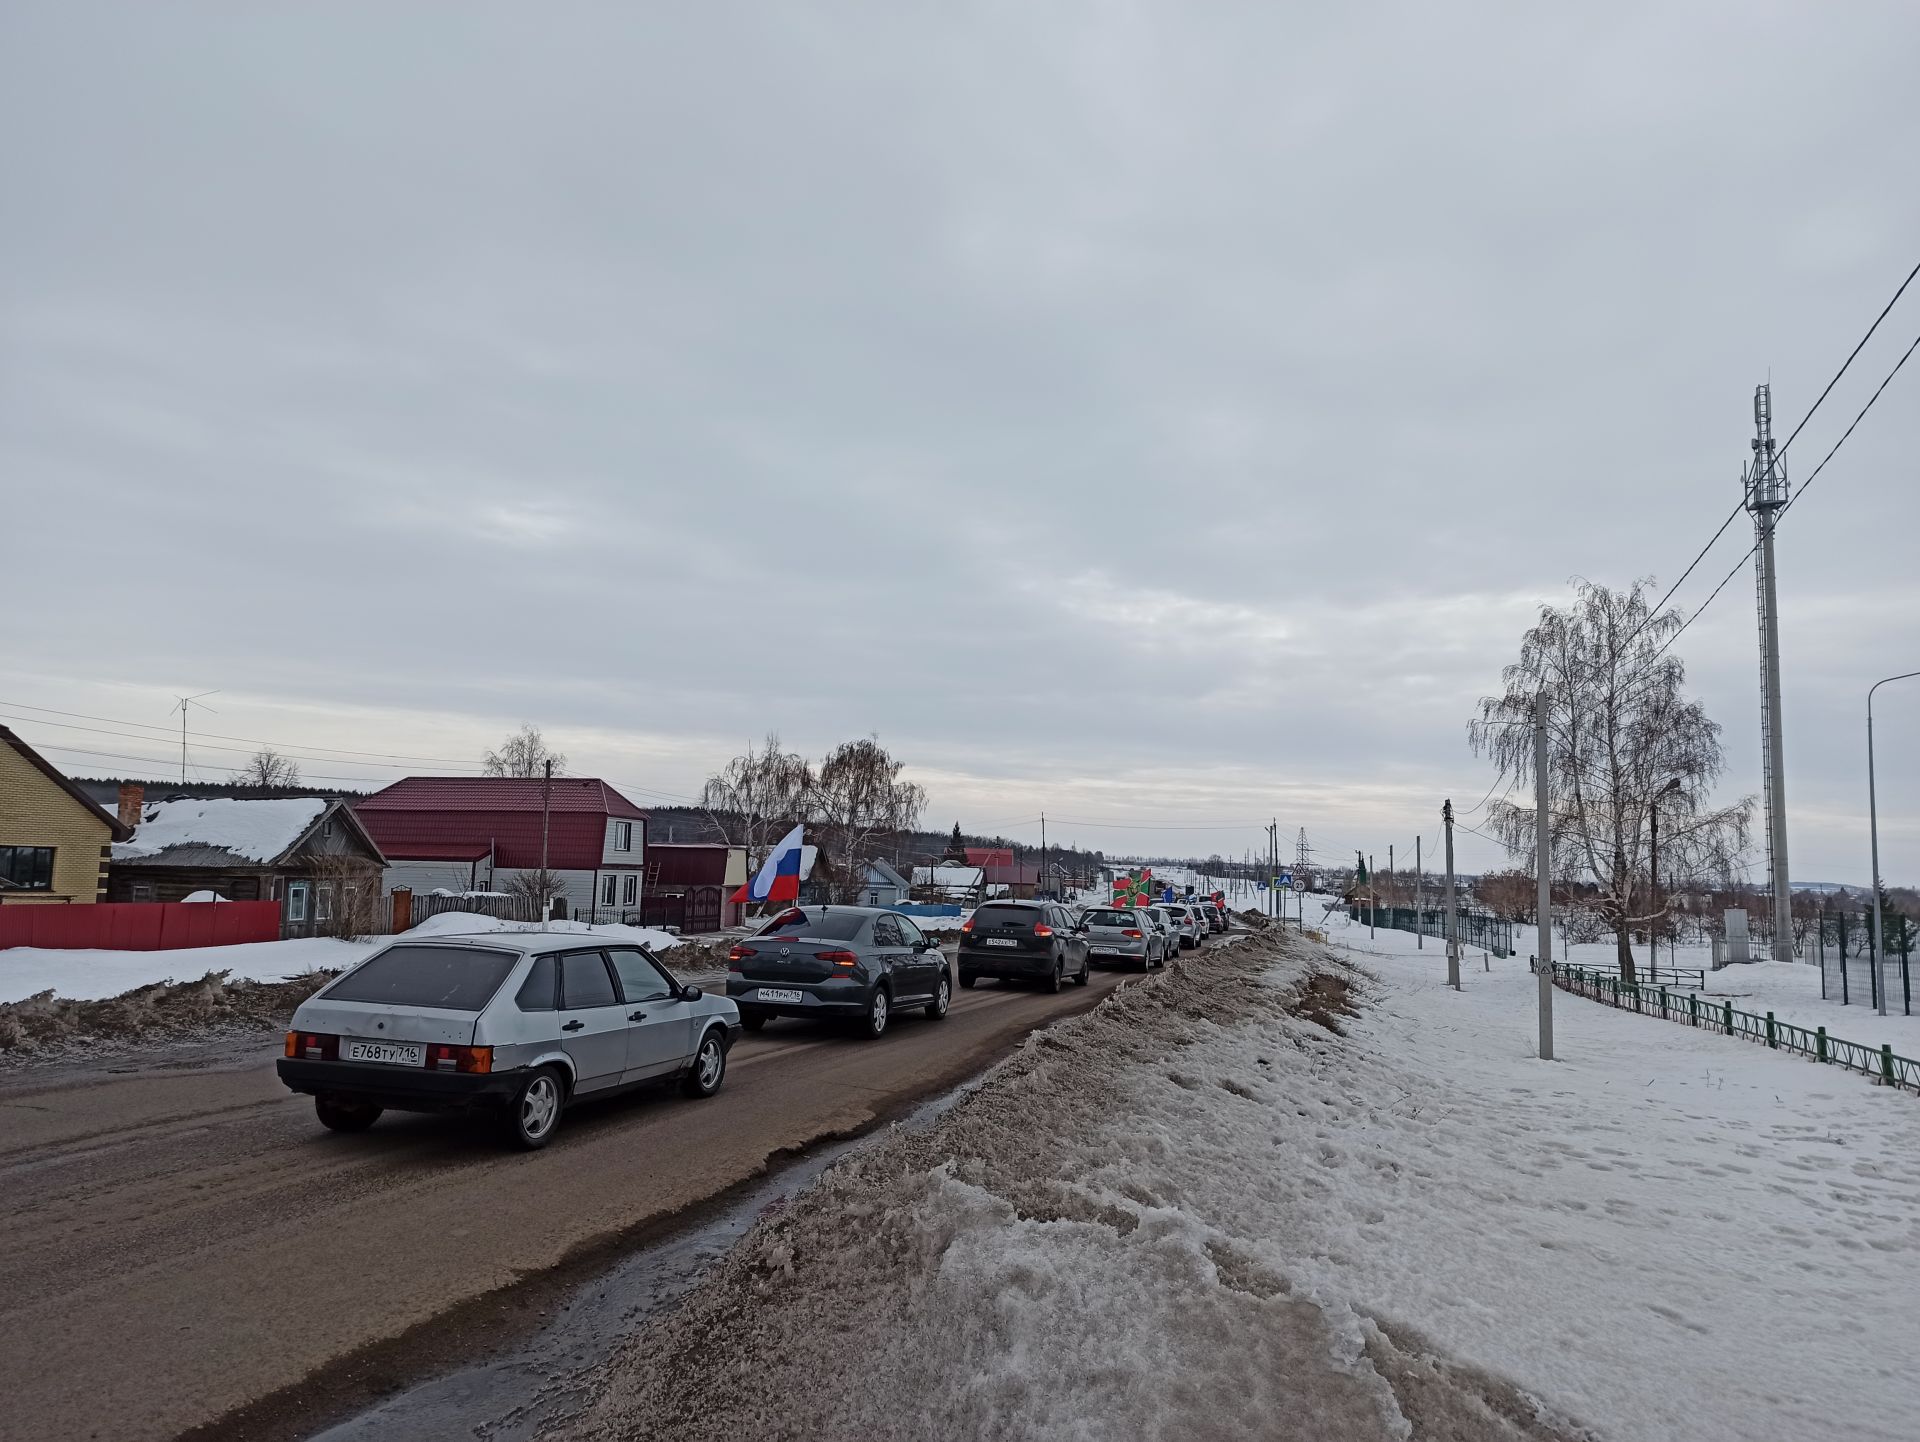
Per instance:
(1780,455)
(1701,609)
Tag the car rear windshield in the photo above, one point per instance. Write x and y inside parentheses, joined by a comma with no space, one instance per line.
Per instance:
(1112,918)
(1008,916)
(448,978)
(834,926)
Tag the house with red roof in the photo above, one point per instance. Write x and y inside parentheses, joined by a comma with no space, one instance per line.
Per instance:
(476,833)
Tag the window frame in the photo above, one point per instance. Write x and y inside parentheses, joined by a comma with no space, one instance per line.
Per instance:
(630,889)
(623,836)
(33,883)
(296,900)
(322,901)
(609,888)
(606,967)
(652,963)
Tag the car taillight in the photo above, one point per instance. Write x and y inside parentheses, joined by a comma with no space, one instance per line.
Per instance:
(967,925)
(738,955)
(838,958)
(313,1046)
(459,1058)
(1042,929)
(1135,935)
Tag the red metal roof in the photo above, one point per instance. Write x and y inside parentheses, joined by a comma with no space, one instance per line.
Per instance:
(500,793)
(431,818)
(989,855)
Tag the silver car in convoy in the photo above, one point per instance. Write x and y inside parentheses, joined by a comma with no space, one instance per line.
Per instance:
(1191,926)
(519,1024)
(1117,935)
(1169,929)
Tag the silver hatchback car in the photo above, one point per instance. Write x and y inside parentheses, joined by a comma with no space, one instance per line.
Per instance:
(1116,934)
(519,1024)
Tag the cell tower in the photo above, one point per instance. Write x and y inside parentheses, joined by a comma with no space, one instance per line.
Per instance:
(1300,854)
(1766,493)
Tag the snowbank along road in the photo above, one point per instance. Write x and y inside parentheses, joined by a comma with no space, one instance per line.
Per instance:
(183,1246)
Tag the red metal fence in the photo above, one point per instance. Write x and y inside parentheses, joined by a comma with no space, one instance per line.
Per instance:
(140,925)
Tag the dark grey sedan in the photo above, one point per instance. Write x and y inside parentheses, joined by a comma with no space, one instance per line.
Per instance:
(852,963)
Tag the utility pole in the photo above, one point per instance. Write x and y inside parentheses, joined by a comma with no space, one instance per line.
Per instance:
(546,812)
(1873,830)
(181,705)
(1543,872)
(1043,851)
(1373,896)
(1389,883)
(1766,495)
(1453,945)
(1419,900)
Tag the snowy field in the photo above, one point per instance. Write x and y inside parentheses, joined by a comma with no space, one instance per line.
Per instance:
(1791,991)
(1189,1214)
(1673,1234)
(84,975)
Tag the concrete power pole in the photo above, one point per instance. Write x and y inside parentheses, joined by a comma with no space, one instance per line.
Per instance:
(1766,494)
(1543,871)
(1453,942)
(1419,900)
(546,812)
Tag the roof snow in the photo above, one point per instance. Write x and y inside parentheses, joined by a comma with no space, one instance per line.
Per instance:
(253,831)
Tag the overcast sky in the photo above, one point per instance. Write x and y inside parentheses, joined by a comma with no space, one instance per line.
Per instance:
(1159,415)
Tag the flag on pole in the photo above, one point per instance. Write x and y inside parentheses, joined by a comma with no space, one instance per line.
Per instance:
(779,875)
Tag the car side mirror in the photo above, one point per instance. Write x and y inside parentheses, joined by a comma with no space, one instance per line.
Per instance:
(691,993)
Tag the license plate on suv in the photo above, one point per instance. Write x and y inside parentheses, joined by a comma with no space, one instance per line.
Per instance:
(999,941)
(778,993)
(387,1053)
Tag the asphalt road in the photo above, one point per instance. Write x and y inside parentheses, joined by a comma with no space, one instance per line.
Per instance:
(183,1247)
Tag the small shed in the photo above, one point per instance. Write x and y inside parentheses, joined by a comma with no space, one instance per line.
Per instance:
(883,886)
(309,853)
(688,886)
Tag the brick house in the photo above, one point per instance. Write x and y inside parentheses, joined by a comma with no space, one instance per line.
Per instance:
(309,853)
(54,838)
(478,833)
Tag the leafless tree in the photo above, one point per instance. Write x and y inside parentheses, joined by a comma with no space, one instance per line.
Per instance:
(525,753)
(1619,730)
(1510,895)
(267,767)
(758,797)
(859,801)
(536,889)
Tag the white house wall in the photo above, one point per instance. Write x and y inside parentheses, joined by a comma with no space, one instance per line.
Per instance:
(626,860)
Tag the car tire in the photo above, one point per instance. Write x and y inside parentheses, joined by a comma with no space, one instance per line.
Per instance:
(1086,974)
(533,1116)
(968,981)
(873,1025)
(942,999)
(1054,979)
(339,1116)
(753,1020)
(709,1066)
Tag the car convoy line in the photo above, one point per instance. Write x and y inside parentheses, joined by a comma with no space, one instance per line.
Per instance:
(187,1249)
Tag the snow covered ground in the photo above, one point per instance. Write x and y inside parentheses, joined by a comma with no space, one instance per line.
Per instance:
(85,975)
(1191,1214)
(1791,991)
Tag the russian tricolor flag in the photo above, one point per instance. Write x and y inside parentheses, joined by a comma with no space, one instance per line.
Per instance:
(779,878)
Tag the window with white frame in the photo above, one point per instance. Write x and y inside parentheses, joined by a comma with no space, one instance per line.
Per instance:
(296,901)
(623,836)
(323,901)
(608,890)
(630,891)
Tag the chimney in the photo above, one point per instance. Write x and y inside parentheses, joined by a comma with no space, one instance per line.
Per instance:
(132,796)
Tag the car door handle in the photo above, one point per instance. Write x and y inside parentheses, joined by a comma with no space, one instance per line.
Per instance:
(573,1026)
(636,1016)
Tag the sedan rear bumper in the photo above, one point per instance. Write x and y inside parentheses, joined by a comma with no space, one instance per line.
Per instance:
(401,1089)
(847,998)
(997,963)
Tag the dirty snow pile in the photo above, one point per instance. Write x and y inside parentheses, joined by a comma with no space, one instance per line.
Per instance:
(1202,1211)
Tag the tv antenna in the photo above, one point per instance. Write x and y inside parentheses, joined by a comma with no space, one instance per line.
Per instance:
(181,704)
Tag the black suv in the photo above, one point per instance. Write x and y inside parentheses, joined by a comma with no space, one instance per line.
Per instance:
(1024,941)
(857,963)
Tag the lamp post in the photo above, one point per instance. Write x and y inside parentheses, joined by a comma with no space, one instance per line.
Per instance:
(1653,871)
(1873,829)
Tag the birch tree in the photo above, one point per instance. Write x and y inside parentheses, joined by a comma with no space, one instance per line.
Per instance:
(1619,730)
(524,754)
(859,800)
(758,796)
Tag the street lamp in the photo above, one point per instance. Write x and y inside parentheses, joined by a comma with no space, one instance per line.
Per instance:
(1653,869)
(1879,972)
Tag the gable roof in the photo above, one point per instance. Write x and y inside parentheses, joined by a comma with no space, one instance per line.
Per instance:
(887,873)
(58,778)
(989,855)
(501,793)
(221,832)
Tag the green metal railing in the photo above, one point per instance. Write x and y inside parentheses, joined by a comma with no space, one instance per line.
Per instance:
(1718,1014)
